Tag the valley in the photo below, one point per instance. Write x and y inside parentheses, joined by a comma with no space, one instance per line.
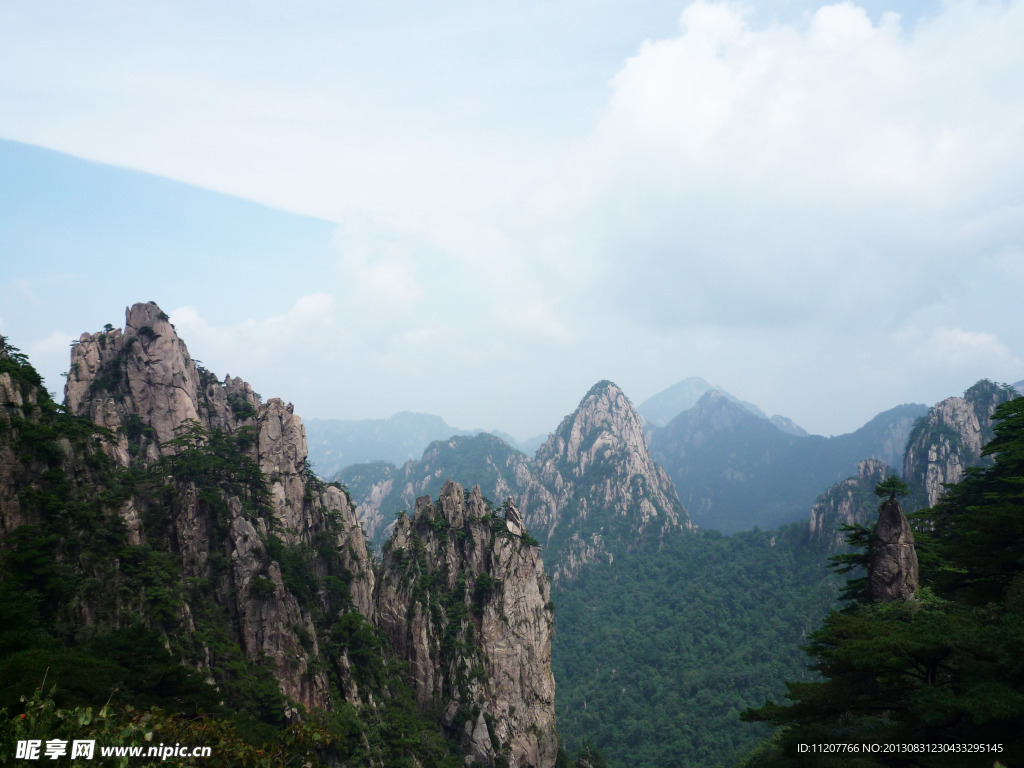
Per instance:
(414,599)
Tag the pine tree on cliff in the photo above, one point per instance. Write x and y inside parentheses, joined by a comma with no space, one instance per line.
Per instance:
(942,669)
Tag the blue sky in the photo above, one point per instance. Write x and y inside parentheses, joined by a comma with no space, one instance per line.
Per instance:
(480,210)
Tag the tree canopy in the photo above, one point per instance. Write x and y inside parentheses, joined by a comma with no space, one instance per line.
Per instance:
(938,681)
(892,487)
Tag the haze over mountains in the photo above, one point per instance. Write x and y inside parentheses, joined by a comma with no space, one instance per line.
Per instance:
(732,466)
(347,294)
(338,443)
(666,629)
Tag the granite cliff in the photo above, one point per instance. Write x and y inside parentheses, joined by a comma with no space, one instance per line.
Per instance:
(168,496)
(849,502)
(949,439)
(142,384)
(591,488)
(464,597)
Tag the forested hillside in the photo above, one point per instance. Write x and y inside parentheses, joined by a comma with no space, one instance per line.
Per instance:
(163,543)
(938,673)
(734,470)
(657,653)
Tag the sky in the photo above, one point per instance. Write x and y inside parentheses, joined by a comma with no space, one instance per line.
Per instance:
(480,210)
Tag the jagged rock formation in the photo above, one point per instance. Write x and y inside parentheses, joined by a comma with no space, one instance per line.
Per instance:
(464,597)
(892,560)
(381,490)
(949,439)
(596,479)
(850,502)
(194,510)
(591,489)
(142,384)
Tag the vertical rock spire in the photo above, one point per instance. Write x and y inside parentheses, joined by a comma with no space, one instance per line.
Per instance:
(892,561)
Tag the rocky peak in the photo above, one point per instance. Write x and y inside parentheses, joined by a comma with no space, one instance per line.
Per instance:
(599,472)
(591,490)
(141,383)
(604,419)
(892,560)
(949,439)
(465,599)
(849,502)
(143,370)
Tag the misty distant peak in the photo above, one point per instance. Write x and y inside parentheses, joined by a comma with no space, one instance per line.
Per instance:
(661,408)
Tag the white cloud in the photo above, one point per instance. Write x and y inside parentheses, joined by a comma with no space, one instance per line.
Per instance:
(955,348)
(755,199)
(794,173)
(50,353)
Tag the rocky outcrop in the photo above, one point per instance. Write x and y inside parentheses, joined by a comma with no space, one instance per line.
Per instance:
(254,571)
(949,439)
(892,560)
(381,489)
(599,456)
(850,502)
(463,596)
(141,383)
(591,489)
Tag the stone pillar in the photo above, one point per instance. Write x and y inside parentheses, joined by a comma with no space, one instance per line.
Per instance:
(892,561)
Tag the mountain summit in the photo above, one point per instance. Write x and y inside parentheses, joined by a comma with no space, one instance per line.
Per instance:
(591,490)
(165,506)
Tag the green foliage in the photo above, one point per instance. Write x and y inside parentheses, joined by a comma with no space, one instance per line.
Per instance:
(945,668)
(858,538)
(892,487)
(241,407)
(42,718)
(217,461)
(658,653)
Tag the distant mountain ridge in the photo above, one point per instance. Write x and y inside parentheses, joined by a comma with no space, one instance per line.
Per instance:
(733,470)
(658,410)
(338,443)
(593,475)
(944,442)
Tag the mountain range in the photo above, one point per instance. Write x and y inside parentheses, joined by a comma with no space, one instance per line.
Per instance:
(338,443)
(163,534)
(732,467)
(165,517)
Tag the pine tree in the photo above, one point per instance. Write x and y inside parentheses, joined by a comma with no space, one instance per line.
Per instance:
(943,670)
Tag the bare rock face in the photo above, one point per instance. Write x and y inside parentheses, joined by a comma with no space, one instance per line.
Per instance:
(597,469)
(381,489)
(892,561)
(465,599)
(849,502)
(950,438)
(941,454)
(142,383)
(592,483)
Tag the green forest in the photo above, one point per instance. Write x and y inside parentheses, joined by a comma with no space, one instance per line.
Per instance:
(937,680)
(657,654)
(119,678)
